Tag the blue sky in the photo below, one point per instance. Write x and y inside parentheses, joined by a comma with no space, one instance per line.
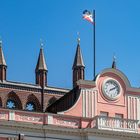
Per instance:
(24,22)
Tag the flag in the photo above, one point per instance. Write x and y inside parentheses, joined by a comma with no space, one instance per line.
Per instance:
(87,15)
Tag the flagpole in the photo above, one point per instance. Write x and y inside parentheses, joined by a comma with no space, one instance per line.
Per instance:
(94,48)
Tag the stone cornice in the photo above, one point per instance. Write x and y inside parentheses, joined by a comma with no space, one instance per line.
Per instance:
(86,84)
(31,87)
(70,131)
(112,134)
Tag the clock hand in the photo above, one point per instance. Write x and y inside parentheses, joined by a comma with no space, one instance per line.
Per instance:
(112,89)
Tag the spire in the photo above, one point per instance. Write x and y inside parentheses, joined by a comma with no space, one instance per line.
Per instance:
(78,65)
(41,73)
(114,62)
(41,64)
(78,61)
(2,59)
(3,66)
(41,69)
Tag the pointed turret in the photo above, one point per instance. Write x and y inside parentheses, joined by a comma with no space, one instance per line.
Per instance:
(78,61)
(41,64)
(114,62)
(78,65)
(3,66)
(41,69)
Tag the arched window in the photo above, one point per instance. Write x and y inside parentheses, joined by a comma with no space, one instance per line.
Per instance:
(30,106)
(33,103)
(11,104)
(13,101)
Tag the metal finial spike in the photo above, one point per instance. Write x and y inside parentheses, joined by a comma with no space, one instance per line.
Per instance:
(0,42)
(114,62)
(78,40)
(114,58)
(41,43)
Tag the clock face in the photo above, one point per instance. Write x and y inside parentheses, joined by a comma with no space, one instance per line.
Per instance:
(111,89)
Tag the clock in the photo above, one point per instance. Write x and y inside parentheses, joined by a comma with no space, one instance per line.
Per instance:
(111,89)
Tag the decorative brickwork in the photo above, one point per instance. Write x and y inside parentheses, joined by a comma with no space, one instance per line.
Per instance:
(13,96)
(2,73)
(24,96)
(21,96)
(33,99)
(78,66)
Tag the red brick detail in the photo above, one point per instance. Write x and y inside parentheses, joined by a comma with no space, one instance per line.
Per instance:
(13,96)
(2,73)
(33,98)
(23,96)
(41,78)
(78,74)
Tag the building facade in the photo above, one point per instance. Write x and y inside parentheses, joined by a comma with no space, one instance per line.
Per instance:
(106,108)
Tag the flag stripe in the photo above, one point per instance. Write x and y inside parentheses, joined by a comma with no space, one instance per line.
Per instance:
(88,16)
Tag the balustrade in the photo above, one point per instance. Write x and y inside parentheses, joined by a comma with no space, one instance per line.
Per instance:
(98,122)
(115,124)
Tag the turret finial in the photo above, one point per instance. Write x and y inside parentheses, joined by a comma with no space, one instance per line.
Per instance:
(114,58)
(78,39)
(41,43)
(3,66)
(0,42)
(114,62)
